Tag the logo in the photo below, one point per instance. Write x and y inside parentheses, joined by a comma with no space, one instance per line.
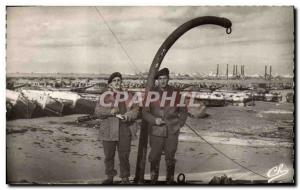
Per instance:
(276,172)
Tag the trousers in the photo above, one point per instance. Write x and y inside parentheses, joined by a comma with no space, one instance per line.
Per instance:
(167,144)
(123,147)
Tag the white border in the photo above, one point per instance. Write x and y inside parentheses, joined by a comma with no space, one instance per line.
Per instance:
(152,2)
(5,3)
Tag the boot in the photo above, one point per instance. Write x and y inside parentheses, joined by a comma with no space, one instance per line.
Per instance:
(170,174)
(154,169)
(108,181)
(125,180)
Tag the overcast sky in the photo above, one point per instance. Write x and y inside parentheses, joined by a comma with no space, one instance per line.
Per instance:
(76,40)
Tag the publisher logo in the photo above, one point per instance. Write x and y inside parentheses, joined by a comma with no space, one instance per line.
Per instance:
(277,172)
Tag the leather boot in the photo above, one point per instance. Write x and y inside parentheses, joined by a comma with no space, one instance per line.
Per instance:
(170,174)
(108,181)
(154,169)
(125,180)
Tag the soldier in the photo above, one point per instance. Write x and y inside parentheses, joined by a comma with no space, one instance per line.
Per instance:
(116,132)
(164,124)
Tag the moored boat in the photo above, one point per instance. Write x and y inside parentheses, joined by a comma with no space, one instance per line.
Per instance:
(47,106)
(18,106)
(273,97)
(209,99)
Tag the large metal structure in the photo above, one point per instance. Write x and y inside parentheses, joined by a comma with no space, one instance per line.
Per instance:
(162,51)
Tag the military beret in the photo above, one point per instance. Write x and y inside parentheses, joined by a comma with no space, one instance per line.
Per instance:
(162,72)
(113,75)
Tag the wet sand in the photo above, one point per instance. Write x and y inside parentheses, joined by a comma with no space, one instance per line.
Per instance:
(57,150)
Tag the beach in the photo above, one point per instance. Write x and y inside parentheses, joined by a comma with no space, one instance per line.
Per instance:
(57,150)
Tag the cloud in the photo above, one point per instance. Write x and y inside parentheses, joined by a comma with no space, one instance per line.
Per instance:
(65,42)
(77,39)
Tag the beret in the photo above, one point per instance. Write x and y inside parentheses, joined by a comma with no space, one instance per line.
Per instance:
(164,71)
(113,75)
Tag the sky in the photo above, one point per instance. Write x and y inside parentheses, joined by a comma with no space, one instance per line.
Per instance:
(77,40)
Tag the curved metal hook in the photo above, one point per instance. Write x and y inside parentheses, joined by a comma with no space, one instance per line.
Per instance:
(228,30)
(181,178)
(160,54)
(176,34)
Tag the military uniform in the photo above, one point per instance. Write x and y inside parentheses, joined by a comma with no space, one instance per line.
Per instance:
(117,134)
(164,138)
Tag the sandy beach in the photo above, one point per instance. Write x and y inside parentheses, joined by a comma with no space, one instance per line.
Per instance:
(57,150)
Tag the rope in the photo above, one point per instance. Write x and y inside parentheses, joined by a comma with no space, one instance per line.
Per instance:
(224,153)
(119,42)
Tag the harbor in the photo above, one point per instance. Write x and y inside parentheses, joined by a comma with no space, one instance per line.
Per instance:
(258,138)
(256,120)
(160,95)
(79,96)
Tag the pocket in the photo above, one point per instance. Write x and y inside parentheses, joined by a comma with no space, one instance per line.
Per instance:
(103,132)
(160,131)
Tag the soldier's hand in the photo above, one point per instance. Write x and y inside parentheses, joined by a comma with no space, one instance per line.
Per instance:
(114,110)
(126,118)
(158,121)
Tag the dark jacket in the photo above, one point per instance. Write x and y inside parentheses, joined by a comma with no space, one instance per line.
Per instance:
(109,127)
(174,117)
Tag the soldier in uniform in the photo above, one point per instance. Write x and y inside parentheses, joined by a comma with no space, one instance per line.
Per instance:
(116,132)
(164,125)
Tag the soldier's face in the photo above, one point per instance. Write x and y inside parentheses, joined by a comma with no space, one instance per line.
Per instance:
(163,81)
(116,83)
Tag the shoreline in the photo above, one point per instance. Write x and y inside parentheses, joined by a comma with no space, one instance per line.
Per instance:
(55,150)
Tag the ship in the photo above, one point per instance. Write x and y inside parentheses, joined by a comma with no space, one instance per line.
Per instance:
(18,106)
